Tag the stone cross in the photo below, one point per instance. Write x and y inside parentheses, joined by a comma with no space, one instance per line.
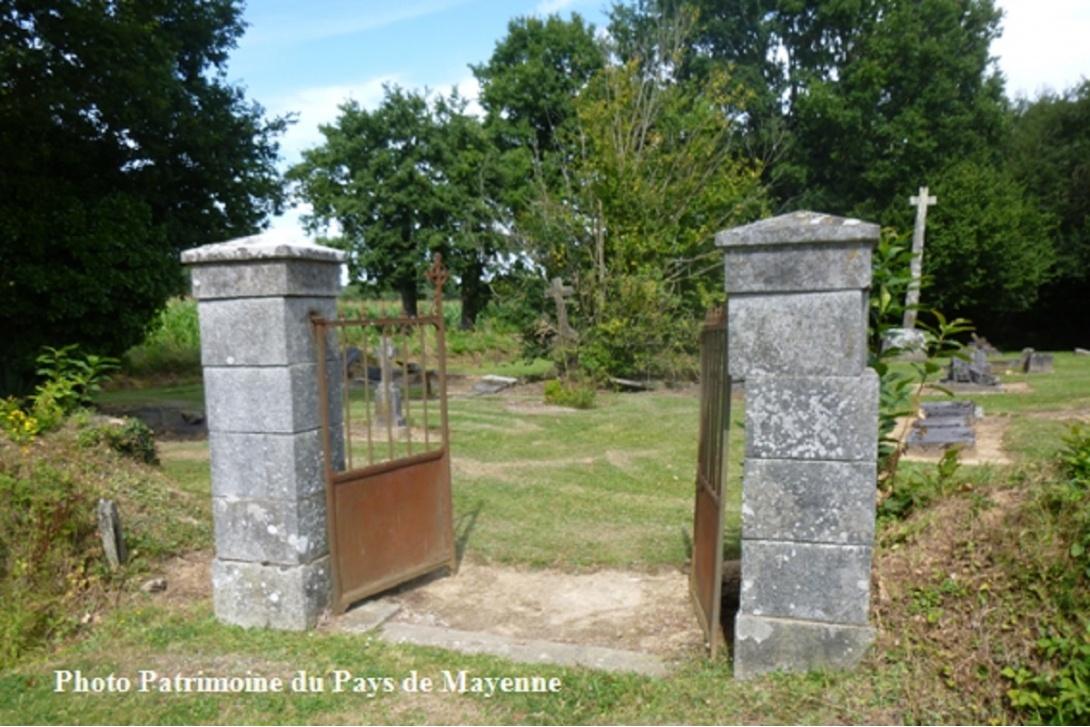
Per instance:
(558,292)
(912,299)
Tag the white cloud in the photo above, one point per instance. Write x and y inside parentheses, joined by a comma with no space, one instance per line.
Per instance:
(320,105)
(290,21)
(548,7)
(1043,44)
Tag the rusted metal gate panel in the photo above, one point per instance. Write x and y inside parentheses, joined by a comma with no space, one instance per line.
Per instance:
(706,574)
(387,455)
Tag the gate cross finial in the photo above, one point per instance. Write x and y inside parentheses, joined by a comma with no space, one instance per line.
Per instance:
(438,275)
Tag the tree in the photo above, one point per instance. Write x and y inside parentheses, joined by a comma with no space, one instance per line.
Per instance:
(653,176)
(1049,153)
(407,179)
(989,245)
(529,85)
(850,104)
(122,145)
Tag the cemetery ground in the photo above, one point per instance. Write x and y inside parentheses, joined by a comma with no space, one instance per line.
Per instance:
(559,514)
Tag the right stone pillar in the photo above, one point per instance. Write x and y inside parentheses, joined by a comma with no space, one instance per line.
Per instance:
(797,296)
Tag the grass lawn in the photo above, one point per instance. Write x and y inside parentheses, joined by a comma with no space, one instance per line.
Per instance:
(580,490)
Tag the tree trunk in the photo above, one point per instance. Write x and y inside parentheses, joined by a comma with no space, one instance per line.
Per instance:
(475,294)
(408,299)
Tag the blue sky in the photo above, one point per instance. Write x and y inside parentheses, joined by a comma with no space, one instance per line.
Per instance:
(309,56)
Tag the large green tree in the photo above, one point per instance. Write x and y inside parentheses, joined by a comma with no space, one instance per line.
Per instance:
(648,174)
(854,104)
(851,104)
(1049,153)
(121,144)
(402,181)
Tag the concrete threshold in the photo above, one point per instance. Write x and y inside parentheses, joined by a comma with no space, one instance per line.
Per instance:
(525,651)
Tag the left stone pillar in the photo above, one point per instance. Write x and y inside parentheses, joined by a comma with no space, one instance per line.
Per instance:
(255,300)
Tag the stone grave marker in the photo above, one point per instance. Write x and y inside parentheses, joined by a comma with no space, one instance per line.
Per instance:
(558,292)
(974,371)
(109,529)
(388,394)
(921,202)
(1035,363)
(944,424)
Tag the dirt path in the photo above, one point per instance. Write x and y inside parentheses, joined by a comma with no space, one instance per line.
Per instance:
(648,612)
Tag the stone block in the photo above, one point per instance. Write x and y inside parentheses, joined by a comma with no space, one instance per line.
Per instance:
(263,266)
(798,267)
(275,399)
(799,228)
(262,331)
(763,645)
(813,417)
(273,596)
(809,334)
(960,410)
(270,466)
(930,436)
(812,502)
(808,581)
(271,279)
(285,532)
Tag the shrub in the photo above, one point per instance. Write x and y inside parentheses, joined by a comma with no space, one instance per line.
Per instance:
(576,396)
(129,437)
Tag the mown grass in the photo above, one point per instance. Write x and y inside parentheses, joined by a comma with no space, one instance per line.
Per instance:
(964,585)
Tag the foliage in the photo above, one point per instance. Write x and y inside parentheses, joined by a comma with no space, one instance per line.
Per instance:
(653,175)
(74,377)
(1049,154)
(1058,691)
(1075,456)
(69,381)
(172,344)
(571,394)
(129,437)
(988,243)
(410,178)
(530,83)
(54,578)
(900,389)
(123,144)
(47,557)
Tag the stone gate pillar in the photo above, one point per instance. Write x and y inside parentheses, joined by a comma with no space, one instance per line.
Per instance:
(797,288)
(255,299)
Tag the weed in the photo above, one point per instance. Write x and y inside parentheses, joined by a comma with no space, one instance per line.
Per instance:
(172,345)
(576,396)
(128,436)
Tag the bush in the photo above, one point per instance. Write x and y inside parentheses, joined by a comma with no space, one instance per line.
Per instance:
(576,396)
(129,437)
(173,343)
(1058,690)
(49,557)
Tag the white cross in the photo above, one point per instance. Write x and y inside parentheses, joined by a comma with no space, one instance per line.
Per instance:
(912,299)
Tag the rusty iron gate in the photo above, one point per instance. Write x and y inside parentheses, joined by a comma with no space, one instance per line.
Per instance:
(706,572)
(383,399)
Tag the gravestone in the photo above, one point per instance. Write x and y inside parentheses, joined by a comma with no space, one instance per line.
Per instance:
(255,299)
(388,393)
(943,424)
(976,370)
(1035,363)
(109,530)
(797,290)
